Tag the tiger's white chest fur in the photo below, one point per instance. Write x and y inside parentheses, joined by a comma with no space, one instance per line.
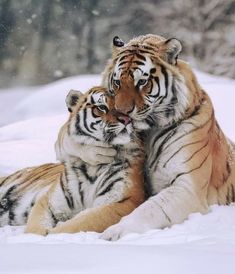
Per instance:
(93,182)
(171,154)
(91,186)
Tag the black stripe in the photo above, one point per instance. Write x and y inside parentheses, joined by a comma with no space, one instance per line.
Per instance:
(94,123)
(148,189)
(174,100)
(65,175)
(228,196)
(189,132)
(83,169)
(163,132)
(54,219)
(81,193)
(187,172)
(11,216)
(122,58)
(233,193)
(110,186)
(196,152)
(140,56)
(7,201)
(112,173)
(139,63)
(126,55)
(79,131)
(174,92)
(160,148)
(163,211)
(178,150)
(149,48)
(25,215)
(67,194)
(123,200)
(118,163)
(92,100)
(152,96)
(12,177)
(145,51)
(134,68)
(4,180)
(150,121)
(156,78)
(85,121)
(165,74)
(150,89)
(122,63)
(132,51)
(145,109)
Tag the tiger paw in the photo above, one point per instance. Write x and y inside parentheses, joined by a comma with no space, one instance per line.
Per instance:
(64,227)
(115,232)
(58,229)
(37,230)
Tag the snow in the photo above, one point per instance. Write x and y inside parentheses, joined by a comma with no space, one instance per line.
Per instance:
(30,122)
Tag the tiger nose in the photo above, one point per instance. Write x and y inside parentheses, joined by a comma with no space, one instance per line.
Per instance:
(124,119)
(125,109)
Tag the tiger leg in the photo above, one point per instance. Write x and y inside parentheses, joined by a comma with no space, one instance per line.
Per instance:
(96,219)
(171,206)
(40,218)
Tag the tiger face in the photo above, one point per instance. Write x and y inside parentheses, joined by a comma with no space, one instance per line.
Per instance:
(94,120)
(145,81)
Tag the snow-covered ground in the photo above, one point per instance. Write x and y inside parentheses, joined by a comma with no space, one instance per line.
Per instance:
(202,244)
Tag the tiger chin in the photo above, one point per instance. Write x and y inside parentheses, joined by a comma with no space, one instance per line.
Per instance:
(75,196)
(190,163)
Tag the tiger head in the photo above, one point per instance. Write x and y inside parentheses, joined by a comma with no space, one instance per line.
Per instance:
(93,119)
(148,82)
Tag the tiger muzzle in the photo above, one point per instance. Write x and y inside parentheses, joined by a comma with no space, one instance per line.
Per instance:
(125,109)
(124,119)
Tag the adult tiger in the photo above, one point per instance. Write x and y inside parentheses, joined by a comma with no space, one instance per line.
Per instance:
(91,197)
(190,163)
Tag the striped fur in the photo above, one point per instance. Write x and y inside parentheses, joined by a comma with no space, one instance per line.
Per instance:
(79,196)
(190,163)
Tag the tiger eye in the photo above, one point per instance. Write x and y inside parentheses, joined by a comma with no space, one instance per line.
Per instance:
(142,81)
(117,82)
(102,108)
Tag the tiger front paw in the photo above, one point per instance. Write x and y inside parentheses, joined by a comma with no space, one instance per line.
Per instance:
(115,232)
(58,229)
(36,230)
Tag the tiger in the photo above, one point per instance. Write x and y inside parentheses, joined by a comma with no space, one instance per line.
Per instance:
(190,163)
(75,196)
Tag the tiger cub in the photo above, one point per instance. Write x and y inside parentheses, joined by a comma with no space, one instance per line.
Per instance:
(80,196)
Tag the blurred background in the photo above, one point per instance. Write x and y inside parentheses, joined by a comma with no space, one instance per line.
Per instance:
(48,47)
(42,41)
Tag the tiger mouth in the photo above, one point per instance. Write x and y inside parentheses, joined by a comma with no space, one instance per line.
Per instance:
(124,131)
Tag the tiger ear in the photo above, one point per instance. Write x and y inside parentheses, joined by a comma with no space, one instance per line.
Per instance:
(171,47)
(117,44)
(72,98)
